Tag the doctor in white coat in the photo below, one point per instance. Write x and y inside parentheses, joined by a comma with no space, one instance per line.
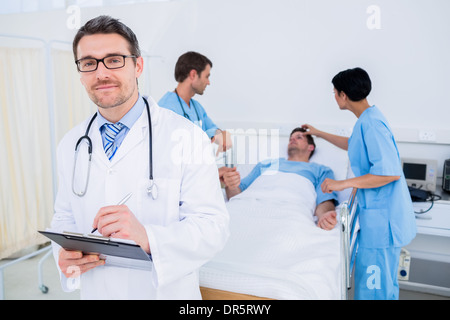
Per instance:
(181,227)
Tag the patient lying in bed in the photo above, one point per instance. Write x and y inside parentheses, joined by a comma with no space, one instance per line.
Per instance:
(275,249)
(292,174)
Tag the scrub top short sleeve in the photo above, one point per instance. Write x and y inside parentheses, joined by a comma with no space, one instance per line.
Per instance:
(382,151)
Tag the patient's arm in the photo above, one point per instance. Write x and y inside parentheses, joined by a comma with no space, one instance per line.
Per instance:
(231,179)
(232,192)
(326,215)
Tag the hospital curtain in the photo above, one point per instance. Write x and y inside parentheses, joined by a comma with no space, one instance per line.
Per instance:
(26,192)
(71,102)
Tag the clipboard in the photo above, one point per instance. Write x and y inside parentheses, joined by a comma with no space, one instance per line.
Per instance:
(89,243)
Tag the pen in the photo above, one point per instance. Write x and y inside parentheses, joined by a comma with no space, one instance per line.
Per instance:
(128,196)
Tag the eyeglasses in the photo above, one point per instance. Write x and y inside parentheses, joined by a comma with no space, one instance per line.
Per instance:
(110,62)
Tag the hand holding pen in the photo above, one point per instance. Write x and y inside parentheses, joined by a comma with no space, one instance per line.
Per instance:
(121,202)
(67,259)
(118,221)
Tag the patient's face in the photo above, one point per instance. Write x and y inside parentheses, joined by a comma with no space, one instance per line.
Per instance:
(298,141)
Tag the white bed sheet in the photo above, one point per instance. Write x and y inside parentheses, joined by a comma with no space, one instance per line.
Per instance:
(275,249)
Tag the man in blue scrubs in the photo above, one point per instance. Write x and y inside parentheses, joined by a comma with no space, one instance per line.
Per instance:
(192,72)
(300,149)
(387,220)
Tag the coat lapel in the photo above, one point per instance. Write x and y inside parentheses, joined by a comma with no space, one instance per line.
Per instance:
(97,145)
(132,139)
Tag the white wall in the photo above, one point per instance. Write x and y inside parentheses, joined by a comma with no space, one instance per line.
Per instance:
(274,59)
(284,54)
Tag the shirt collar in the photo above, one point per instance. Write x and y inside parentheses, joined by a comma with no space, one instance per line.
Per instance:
(129,118)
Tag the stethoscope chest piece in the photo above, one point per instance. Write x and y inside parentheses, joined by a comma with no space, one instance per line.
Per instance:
(152,190)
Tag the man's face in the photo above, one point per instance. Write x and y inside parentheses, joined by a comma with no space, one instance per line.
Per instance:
(340,99)
(299,143)
(201,81)
(109,88)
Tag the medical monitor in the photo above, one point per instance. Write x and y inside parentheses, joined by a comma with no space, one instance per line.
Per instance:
(420,173)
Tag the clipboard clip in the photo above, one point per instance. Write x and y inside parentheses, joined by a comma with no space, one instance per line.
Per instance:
(87,235)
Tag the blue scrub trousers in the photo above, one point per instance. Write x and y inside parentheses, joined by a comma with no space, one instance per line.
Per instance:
(376,273)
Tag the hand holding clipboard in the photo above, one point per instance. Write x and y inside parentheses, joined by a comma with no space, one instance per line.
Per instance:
(89,251)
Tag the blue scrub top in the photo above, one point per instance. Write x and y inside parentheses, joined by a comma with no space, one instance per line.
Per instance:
(314,172)
(386,213)
(170,101)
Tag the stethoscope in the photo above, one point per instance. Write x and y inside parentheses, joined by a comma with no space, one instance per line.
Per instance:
(184,111)
(151,190)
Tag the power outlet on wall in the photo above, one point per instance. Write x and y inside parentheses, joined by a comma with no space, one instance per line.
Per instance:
(345,132)
(427,135)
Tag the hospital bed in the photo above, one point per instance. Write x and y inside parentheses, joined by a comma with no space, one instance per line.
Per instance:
(275,250)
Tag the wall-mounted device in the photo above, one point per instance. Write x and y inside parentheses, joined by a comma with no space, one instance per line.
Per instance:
(420,173)
(446,176)
(404,264)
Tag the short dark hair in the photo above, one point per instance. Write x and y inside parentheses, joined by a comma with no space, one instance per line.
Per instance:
(107,25)
(190,61)
(355,83)
(309,138)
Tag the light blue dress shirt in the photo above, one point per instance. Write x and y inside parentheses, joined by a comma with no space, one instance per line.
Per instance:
(127,120)
(196,113)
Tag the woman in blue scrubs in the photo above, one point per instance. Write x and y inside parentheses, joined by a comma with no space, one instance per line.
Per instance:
(387,220)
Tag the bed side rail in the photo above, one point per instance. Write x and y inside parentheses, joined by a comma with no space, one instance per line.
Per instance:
(349,225)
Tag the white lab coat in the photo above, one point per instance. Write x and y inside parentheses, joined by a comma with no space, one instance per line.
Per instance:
(187,224)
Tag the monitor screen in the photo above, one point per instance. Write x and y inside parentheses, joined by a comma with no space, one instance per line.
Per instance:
(415,171)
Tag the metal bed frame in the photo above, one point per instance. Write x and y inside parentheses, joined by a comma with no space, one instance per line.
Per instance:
(41,284)
(349,225)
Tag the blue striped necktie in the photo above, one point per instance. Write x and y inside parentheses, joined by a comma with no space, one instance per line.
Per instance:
(111,131)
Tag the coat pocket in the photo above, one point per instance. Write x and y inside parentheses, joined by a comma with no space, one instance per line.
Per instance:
(162,209)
